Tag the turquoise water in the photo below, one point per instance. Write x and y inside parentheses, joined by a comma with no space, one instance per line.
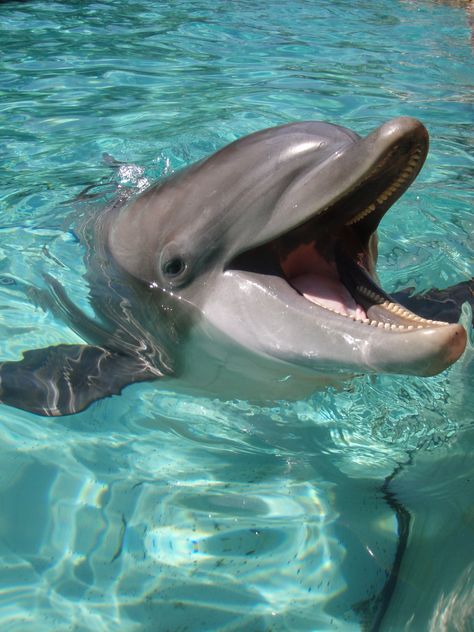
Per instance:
(158,512)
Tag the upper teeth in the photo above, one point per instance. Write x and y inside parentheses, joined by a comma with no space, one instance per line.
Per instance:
(390,190)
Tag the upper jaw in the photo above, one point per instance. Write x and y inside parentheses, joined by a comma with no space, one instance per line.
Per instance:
(356,184)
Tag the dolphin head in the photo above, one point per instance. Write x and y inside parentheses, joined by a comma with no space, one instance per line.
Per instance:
(273,241)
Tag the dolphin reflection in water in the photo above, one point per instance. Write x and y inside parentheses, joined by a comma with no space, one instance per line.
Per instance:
(251,273)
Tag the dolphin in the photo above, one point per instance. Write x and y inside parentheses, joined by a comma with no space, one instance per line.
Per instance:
(251,273)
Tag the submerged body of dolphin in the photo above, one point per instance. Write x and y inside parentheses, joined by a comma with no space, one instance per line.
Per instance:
(251,272)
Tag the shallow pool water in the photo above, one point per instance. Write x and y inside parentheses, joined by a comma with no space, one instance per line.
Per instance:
(351,510)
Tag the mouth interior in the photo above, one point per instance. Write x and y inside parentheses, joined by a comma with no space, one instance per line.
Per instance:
(330,260)
(318,280)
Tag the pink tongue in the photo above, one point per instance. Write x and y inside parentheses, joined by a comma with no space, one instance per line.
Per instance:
(327,292)
(318,280)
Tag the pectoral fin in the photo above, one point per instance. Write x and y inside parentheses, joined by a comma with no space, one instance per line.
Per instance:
(65,379)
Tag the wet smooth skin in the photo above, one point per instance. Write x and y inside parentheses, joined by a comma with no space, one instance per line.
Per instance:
(194,278)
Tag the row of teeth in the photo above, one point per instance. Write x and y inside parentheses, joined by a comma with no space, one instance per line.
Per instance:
(389,191)
(378,324)
(395,309)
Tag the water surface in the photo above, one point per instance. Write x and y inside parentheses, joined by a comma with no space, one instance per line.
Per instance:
(158,512)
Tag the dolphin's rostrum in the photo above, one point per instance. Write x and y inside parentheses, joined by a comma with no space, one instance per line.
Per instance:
(250,273)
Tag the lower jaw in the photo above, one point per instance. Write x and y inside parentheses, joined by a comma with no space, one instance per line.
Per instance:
(338,283)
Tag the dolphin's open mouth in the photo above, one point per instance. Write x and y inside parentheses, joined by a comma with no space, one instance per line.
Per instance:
(330,259)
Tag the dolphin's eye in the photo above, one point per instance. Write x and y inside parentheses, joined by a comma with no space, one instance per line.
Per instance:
(173,267)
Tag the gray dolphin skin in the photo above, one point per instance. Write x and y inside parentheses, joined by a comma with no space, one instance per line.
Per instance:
(250,274)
